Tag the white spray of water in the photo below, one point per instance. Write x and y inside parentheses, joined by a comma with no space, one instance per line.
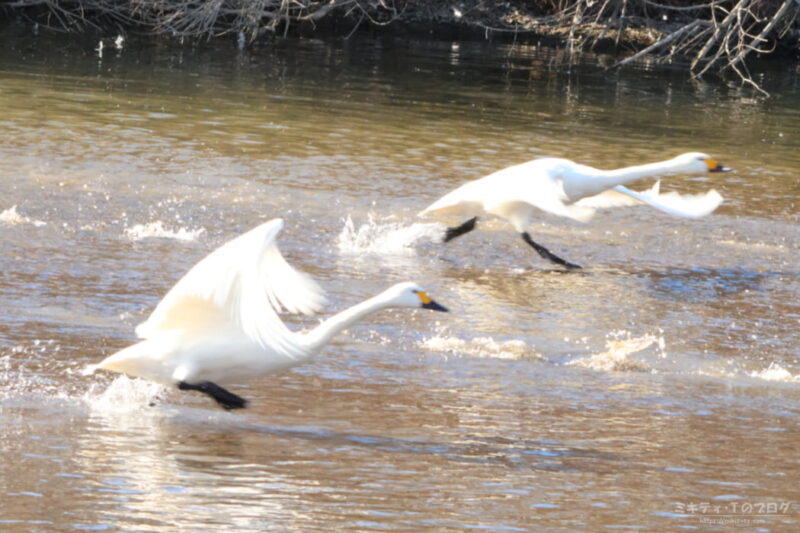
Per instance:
(620,349)
(482,347)
(123,395)
(11,216)
(33,371)
(157,230)
(775,372)
(384,237)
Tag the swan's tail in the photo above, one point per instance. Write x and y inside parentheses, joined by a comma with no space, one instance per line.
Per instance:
(139,360)
(452,203)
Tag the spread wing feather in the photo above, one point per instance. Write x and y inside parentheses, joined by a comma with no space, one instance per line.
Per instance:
(681,205)
(613,198)
(246,281)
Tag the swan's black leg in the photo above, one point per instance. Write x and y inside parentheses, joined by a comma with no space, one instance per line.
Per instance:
(547,254)
(224,397)
(458,231)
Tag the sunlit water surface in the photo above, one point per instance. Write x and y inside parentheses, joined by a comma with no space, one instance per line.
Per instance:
(657,389)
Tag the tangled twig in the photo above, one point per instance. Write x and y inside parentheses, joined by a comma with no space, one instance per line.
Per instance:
(718,35)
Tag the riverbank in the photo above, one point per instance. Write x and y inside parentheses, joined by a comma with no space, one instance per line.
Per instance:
(708,36)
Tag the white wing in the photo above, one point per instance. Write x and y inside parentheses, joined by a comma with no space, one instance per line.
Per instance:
(612,198)
(245,281)
(681,205)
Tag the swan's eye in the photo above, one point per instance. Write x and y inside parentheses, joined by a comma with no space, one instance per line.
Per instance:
(423,297)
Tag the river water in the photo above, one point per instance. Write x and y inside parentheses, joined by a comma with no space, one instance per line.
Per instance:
(658,389)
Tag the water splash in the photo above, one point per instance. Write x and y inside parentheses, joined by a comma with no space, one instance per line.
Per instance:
(775,372)
(484,347)
(384,237)
(156,229)
(12,217)
(620,349)
(123,395)
(32,370)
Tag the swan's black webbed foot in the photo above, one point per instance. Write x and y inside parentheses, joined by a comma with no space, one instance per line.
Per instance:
(547,254)
(225,398)
(458,231)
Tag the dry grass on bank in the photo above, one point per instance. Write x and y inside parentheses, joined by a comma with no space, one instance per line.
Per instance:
(716,35)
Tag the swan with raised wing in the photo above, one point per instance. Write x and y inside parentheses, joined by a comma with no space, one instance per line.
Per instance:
(219,324)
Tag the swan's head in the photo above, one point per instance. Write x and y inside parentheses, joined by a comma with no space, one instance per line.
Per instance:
(698,163)
(410,294)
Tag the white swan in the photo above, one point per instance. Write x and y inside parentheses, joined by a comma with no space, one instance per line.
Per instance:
(565,188)
(219,323)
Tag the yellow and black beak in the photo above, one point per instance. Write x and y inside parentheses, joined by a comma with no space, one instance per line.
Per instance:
(434,306)
(427,303)
(713,166)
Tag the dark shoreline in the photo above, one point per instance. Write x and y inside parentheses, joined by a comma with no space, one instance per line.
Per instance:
(699,37)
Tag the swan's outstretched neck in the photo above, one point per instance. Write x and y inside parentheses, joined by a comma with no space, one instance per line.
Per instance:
(323,333)
(621,176)
(588,181)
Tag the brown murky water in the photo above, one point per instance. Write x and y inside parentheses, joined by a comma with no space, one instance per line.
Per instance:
(658,389)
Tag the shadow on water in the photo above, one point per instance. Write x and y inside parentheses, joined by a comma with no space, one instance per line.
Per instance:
(704,284)
(215,435)
(534,454)
(134,418)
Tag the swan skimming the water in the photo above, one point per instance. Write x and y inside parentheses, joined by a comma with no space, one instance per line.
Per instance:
(565,188)
(219,324)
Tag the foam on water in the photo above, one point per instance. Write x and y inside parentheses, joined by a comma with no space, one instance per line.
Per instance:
(12,217)
(384,237)
(485,347)
(621,349)
(157,230)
